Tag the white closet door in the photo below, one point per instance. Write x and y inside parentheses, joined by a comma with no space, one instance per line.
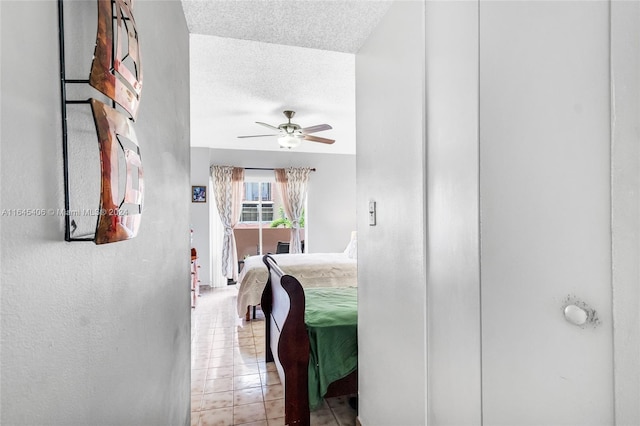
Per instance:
(545,213)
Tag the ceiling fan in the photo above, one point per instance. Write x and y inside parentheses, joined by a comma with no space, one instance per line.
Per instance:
(290,135)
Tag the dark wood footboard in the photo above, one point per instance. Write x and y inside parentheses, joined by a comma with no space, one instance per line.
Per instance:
(287,344)
(287,341)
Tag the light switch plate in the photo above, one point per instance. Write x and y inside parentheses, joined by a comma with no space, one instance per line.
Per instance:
(372,213)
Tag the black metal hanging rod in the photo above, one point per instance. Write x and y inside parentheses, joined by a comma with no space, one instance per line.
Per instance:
(63,101)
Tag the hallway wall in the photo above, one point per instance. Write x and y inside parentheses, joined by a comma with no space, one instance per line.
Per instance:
(392,291)
(452,157)
(93,334)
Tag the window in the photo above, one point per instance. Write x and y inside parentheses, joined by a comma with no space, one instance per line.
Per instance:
(257,203)
(252,191)
(263,222)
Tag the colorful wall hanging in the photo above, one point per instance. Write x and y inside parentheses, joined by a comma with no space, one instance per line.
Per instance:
(116,73)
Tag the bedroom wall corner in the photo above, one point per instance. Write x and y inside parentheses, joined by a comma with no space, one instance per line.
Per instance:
(93,334)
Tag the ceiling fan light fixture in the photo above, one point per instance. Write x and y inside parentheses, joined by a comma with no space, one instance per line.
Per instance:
(290,135)
(290,141)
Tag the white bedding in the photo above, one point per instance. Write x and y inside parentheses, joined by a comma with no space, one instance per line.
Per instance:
(312,270)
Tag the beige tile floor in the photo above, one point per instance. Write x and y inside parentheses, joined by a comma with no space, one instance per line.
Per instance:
(230,382)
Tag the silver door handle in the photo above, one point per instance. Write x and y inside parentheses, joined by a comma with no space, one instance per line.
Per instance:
(575,315)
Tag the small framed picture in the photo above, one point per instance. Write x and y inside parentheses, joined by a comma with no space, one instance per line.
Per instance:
(198,194)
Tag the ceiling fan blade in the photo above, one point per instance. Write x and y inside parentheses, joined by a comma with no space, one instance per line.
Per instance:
(256,136)
(317,139)
(267,125)
(317,128)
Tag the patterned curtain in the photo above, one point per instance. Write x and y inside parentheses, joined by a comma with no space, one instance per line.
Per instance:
(292,186)
(227,187)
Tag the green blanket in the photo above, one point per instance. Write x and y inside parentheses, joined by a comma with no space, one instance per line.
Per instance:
(331,317)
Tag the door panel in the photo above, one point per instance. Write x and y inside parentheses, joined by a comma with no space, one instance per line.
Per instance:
(545,212)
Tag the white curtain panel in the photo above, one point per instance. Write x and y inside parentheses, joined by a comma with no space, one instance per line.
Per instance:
(292,186)
(217,238)
(227,188)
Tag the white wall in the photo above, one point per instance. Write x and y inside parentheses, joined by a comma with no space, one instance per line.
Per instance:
(453,216)
(200,213)
(391,255)
(331,214)
(93,334)
(625,175)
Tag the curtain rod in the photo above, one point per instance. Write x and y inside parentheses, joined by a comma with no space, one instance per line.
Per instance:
(269,168)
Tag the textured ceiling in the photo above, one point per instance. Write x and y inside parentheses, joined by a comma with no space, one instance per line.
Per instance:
(338,25)
(235,83)
(250,60)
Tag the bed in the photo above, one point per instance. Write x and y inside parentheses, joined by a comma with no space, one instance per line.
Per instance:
(311,336)
(312,270)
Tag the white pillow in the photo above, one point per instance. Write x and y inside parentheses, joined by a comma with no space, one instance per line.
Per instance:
(352,248)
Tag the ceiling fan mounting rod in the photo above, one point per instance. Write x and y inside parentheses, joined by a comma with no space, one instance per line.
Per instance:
(289,128)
